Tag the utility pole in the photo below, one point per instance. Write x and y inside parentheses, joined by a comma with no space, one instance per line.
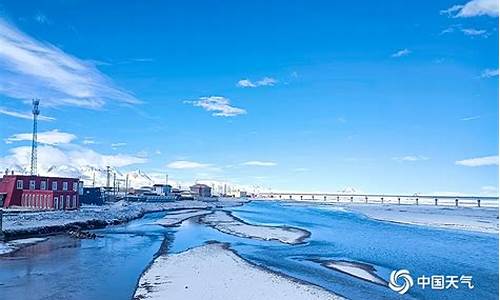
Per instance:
(126,185)
(114,184)
(34,142)
(107,183)
(93,179)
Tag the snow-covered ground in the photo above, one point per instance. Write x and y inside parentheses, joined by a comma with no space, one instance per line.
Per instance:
(33,223)
(481,219)
(14,245)
(362,271)
(176,217)
(227,223)
(214,272)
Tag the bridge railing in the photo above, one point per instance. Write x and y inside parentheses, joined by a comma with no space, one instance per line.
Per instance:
(462,201)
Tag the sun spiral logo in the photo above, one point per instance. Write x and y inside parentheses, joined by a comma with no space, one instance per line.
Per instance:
(400,287)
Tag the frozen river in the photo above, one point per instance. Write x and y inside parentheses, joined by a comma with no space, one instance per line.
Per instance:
(109,267)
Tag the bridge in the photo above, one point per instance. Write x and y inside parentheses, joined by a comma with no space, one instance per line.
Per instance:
(385,199)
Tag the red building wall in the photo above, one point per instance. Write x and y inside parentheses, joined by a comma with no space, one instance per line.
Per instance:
(37,196)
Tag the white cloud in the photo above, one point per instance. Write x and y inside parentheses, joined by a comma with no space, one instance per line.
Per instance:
(186,164)
(489,73)
(470,118)
(52,137)
(411,158)
(220,106)
(401,53)
(300,169)
(245,83)
(23,115)
(473,8)
(259,163)
(479,161)
(474,32)
(266,81)
(64,159)
(116,145)
(30,68)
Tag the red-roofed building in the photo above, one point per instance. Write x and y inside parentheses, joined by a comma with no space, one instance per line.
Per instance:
(40,192)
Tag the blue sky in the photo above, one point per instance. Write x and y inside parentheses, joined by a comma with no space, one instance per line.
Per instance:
(389,97)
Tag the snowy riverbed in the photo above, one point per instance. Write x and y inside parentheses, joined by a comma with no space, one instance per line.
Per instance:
(227,223)
(177,217)
(214,272)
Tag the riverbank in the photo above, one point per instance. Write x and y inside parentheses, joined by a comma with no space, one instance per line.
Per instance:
(35,224)
(476,219)
(213,271)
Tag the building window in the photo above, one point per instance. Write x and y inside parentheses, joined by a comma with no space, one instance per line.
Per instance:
(43,185)
(32,184)
(56,203)
(74,201)
(19,184)
(68,201)
(65,186)
(75,186)
(54,186)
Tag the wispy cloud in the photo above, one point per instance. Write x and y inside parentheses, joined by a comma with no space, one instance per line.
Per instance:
(52,137)
(259,163)
(489,73)
(23,115)
(479,161)
(474,32)
(401,53)
(471,118)
(411,158)
(186,164)
(220,106)
(116,145)
(266,81)
(29,68)
(88,141)
(41,18)
(489,190)
(473,8)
